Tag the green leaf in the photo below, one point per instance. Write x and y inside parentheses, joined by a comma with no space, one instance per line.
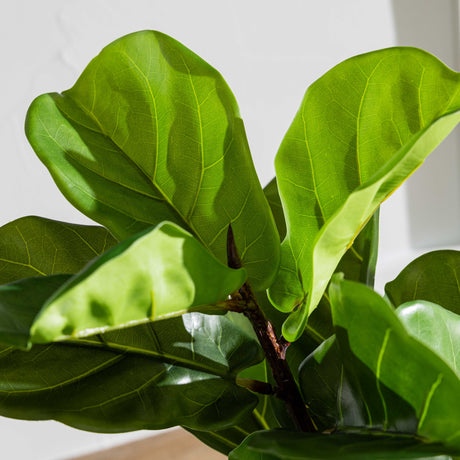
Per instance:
(362,129)
(224,441)
(154,375)
(262,416)
(161,272)
(20,302)
(286,445)
(274,200)
(322,372)
(433,277)
(150,132)
(435,327)
(391,380)
(34,246)
(359,262)
(320,375)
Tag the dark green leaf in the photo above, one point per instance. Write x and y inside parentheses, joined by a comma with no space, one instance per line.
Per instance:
(286,445)
(34,246)
(320,375)
(20,302)
(433,277)
(161,272)
(322,371)
(435,327)
(150,132)
(224,441)
(359,262)
(262,417)
(362,129)
(177,371)
(273,198)
(391,380)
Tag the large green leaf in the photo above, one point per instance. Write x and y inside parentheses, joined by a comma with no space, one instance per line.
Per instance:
(154,375)
(262,417)
(433,277)
(362,129)
(323,377)
(34,246)
(391,380)
(151,132)
(286,445)
(436,327)
(161,272)
(357,264)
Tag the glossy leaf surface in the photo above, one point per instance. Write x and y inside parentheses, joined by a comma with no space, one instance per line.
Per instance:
(323,378)
(262,417)
(35,246)
(362,129)
(177,371)
(433,277)
(285,445)
(161,272)
(150,132)
(436,327)
(391,380)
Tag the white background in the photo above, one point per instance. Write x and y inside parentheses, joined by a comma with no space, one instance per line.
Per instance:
(269,52)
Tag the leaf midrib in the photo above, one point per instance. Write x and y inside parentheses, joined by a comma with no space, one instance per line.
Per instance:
(122,352)
(166,357)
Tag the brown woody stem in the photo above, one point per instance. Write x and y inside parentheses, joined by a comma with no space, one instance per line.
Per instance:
(274,348)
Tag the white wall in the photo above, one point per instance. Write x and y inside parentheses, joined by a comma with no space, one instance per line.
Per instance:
(268,51)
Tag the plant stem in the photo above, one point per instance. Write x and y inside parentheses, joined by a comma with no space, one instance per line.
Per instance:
(274,348)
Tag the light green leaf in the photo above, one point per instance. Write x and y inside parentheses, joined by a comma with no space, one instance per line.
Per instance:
(357,264)
(391,380)
(154,375)
(435,327)
(161,272)
(35,246)
(20,302)
(433,277)
(287,445)
(362,129)
(150,132)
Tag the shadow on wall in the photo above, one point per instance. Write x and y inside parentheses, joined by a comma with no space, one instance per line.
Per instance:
(434,190)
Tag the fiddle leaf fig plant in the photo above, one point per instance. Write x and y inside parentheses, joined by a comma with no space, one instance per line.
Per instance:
(244,314)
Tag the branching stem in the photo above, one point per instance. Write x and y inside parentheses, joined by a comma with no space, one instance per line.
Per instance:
(274,348)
